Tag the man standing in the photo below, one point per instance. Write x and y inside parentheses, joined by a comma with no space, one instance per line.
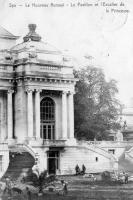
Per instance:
(126,177)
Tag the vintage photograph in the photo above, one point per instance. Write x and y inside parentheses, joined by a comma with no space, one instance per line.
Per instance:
(66,99)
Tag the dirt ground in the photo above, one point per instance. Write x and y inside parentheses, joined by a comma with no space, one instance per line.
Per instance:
(80,188)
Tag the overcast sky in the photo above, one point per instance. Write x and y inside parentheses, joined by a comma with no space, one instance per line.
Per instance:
(106,38)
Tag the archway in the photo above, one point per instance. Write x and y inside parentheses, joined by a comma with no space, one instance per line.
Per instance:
(47,118)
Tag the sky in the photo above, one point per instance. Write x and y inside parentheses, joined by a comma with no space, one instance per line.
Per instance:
(89,34)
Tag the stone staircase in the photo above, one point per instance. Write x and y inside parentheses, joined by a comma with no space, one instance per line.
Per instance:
(20,163)
(125,165)
(97,149)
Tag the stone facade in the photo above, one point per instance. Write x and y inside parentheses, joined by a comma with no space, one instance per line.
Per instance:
(37,88)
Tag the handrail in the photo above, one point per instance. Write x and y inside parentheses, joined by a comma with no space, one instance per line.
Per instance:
(128,151)
(29,149)
(96,149)
(92,142)
(103,150)
(6,163)
(128,156)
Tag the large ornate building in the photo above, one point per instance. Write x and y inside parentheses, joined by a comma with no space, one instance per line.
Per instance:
(37,111)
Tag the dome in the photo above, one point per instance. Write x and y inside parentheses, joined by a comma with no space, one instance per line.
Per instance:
(34,49)
(37,46)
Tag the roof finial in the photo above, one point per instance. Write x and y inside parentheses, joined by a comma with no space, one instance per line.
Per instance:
(32,27)
(32,35)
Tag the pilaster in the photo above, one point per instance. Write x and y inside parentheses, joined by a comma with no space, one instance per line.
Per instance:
(9,114)
(71,115)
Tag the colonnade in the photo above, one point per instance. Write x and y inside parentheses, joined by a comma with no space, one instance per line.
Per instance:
(67,109)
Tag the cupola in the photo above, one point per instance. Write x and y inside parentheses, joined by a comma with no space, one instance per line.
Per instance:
(32,35)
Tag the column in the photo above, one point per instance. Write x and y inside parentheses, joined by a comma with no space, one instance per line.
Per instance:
(64,115)
(9,115)
(71,115)
(30,113)
(37,113)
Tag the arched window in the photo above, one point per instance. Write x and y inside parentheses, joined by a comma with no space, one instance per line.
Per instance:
(47,118)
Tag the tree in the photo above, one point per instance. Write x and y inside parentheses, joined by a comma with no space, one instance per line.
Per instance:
(96,107)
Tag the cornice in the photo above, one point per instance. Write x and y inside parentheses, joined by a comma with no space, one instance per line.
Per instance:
(27,61)
(10,79)
(27,50)
(6,64)
(13,77)
(45,80)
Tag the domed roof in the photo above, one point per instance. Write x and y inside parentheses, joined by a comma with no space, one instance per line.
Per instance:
(37,46)
(32,41)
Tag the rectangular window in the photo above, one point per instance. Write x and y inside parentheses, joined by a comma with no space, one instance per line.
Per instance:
(112,151)
(96,159)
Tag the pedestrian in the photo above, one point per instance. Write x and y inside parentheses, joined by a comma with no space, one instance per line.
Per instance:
(126,177)
(77,169)
(28,193)
(8,187)
(83,169)
(65,189)
(2,188)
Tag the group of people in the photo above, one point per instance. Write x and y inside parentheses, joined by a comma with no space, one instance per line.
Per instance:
(125,177)
(80,171)
(121,176)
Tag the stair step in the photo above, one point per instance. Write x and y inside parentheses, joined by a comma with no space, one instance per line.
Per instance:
(18,163)
(124,164)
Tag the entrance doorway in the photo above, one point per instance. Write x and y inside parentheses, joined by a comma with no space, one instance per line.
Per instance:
(53,161)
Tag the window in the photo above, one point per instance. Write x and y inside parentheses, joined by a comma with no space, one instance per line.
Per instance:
(47,110)
(47,115)
(96,159)
(112,151)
